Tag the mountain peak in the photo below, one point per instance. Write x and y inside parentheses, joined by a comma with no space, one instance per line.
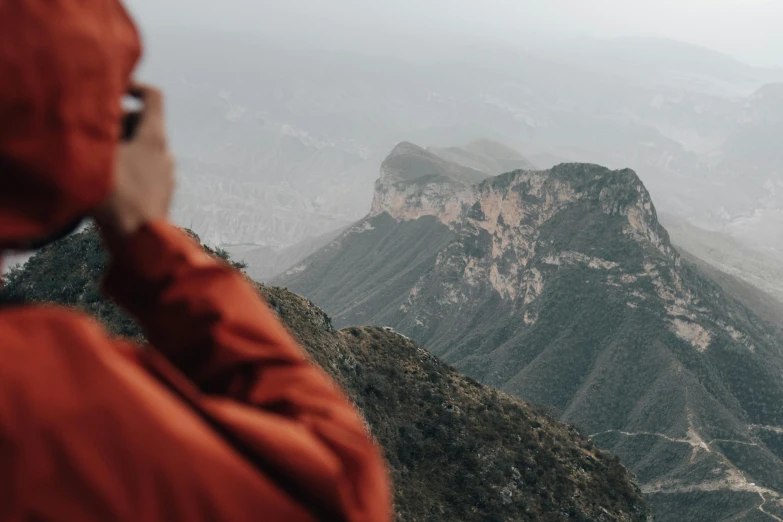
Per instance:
(616,192)
(406,147)
(518,202)
(410,164)
(560,286)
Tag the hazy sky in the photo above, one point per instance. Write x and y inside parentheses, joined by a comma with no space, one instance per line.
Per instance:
(751,30)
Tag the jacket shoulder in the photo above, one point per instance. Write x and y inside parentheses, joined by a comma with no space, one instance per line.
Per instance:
(14,318)
(32,330)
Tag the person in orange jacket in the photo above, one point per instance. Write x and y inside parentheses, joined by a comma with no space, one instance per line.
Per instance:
(223,417)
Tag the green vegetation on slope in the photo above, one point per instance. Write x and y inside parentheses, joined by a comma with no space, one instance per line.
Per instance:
(457,450)
(561,287)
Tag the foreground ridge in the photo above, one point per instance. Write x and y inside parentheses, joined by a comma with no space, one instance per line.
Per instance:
(457,450)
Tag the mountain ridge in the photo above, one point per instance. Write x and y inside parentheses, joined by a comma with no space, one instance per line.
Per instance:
(409,163)
(324,123)
(563,288)
(457,450)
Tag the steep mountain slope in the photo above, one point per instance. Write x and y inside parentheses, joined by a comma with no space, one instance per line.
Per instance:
(458,450)
(256,202)
(728,254)
(761,303)
(752,150)
(561,287)
(750,164)
(409,163)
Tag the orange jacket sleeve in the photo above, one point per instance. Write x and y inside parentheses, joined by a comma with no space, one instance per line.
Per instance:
(222,348)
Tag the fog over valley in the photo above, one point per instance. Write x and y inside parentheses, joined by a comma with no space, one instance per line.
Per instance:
(279,129)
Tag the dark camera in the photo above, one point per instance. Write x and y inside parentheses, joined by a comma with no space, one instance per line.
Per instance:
(129,124)
(132,104)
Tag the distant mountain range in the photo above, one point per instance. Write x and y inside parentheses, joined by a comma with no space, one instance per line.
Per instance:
(457,450)
(561,286)
(277,146)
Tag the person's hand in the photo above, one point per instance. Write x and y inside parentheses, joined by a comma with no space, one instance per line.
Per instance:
(143,174)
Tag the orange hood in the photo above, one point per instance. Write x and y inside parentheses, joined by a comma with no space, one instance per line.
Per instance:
(64,66)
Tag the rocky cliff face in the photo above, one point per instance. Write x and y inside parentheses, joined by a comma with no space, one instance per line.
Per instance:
(506,214)
(561,287)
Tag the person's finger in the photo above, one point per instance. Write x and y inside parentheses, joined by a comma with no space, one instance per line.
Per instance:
(152,117)
(153,101)
(151,97)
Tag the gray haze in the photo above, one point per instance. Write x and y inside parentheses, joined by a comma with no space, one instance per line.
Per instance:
(280,113)
(750,30)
